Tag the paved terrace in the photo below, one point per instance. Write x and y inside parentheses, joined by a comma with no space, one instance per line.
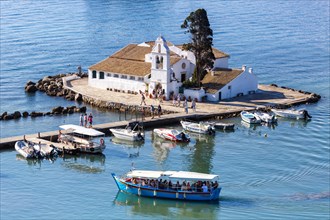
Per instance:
(266,96)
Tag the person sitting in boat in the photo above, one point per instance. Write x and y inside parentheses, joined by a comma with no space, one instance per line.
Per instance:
(170,184)
(134,181)
(184,187)
(215,185)
(204,188)
(188,187)
(178,186)
(143,183)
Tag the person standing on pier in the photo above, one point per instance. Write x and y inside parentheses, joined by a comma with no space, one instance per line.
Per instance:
(179,100)
(152,108)
(159,110)
(193,105)
(185,105)
(85,120)
(81,119)
(90,120)
(142,98)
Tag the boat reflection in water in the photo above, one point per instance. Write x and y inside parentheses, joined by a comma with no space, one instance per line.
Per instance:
(162,147)
(131,147)
(85,163)
(30,161)
(168,208)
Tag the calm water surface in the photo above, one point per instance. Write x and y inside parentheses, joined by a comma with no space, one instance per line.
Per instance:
(279,172)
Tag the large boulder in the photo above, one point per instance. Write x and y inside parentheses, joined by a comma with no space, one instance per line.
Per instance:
(8,117)
(57,110)
(17,114)
(36,114)
(25,114)
(78,97)
(31,88)
(83,109)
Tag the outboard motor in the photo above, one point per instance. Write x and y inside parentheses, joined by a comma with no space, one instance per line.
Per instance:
(140,136)
(306,115)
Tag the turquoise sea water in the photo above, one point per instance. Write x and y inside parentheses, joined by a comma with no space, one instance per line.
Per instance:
(279,172)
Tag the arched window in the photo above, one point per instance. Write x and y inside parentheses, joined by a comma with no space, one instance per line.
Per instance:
(159,49)
(157,62)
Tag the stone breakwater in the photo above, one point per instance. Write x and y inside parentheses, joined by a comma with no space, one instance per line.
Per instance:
(53,86)
(55,111)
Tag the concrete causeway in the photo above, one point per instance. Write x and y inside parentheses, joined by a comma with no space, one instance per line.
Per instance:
(266,96)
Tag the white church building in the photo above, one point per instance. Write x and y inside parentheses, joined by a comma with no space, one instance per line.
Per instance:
(161,67)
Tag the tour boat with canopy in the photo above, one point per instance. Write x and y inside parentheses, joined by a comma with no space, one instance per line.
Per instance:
(179,185)
(171,134)
(82,138)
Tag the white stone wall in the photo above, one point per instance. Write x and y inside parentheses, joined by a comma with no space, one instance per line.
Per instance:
(198,94)
(111,82)
(245,83)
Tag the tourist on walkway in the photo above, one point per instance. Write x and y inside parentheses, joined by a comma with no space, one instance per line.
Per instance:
(85,120)
(152,109)
(81,119)
(193,105)
(185,105)
(159,110)
(90,120)
(142,98)
(174,100)
(179,100)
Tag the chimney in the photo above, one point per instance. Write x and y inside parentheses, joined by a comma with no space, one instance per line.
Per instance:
(251,70)
(244,67)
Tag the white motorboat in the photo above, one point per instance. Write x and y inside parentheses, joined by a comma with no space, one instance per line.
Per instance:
(82,138)
(172,134)
(132,132)
(266,117)
(291,113)
(250,118)
(25,149)
(201,128)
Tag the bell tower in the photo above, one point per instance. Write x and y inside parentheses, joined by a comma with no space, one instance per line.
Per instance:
(160,66)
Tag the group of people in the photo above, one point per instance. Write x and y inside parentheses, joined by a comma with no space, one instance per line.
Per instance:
(153,109)
(199,186)
(177,103)
(84,119)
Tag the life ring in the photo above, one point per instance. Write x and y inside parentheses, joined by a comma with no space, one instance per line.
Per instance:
(102,141)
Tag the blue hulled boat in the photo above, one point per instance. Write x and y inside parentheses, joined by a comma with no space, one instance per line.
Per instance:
(179,185)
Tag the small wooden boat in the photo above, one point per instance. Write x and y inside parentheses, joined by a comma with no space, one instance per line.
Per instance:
(201,128)
(266,117)
(25,149)
(250,118)
(224,126)
(291,113)
(82,138)
(179,185)
(132,132)
(172,135)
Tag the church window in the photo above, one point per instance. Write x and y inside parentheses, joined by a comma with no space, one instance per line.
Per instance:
(94,74)
(101,75)
(159,48)
(183,65)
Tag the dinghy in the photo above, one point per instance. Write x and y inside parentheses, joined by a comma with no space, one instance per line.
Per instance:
(25,149)
(171,134)
(201,128)
(291,113)
(250,118)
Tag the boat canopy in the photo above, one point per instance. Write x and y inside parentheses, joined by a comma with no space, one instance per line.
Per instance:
(173,175)
(81,130)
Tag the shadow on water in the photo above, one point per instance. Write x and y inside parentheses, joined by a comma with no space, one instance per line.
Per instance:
(166,207)
(229,201)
